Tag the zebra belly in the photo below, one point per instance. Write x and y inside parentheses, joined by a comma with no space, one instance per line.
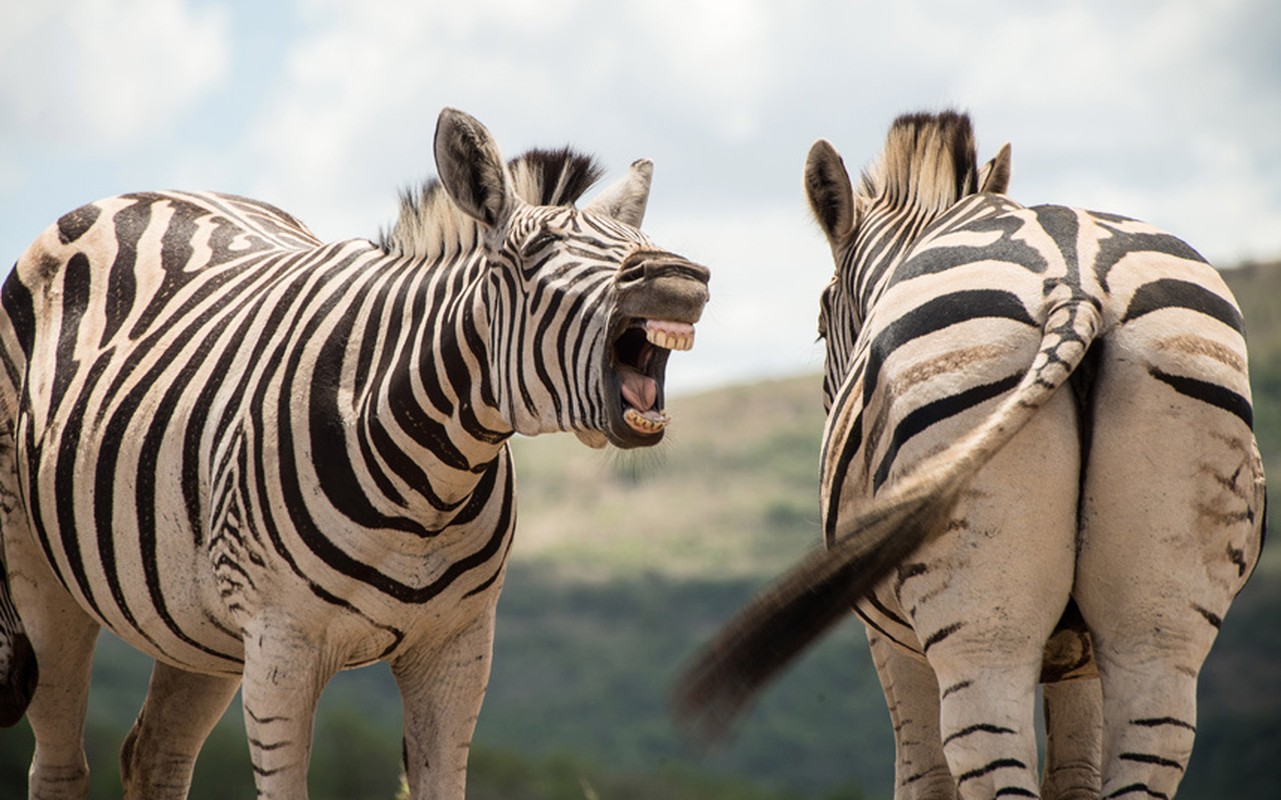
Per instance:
(128,555)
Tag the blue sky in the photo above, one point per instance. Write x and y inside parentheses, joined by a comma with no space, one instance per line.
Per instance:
(1167,110)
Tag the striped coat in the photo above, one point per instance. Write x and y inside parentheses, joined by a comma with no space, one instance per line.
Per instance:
(260,458)
(1037,465)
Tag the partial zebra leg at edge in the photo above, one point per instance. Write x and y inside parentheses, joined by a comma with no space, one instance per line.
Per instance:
(911,694)
(160,751)
(63,636)
(1073,740)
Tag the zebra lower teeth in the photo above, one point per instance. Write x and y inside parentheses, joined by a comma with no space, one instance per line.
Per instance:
(647,422)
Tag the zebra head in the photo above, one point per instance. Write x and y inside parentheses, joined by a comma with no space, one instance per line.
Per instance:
(582,308)
(928,164)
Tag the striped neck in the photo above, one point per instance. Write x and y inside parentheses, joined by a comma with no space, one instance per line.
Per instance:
(427,429)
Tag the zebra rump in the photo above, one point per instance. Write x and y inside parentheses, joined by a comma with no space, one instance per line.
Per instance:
(756,645)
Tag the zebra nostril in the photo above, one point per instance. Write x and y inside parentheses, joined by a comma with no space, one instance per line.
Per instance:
(660,285)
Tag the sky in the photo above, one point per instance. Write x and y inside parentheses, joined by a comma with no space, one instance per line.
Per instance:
(1165,110)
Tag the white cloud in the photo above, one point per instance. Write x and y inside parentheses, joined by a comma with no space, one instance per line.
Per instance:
(93,75)
(1162,109)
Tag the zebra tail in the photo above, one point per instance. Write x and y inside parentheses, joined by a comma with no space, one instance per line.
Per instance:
(757,645)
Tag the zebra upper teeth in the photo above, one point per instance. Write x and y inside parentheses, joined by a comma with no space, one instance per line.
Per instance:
(669,335)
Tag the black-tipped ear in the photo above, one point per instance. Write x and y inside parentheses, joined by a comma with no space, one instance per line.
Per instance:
(828,189)
(471,169)
(994,176)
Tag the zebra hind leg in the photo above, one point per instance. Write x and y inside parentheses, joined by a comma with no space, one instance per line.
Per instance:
(63,636)
(987,596)
(18,670)
(160,751)
(911,693)
(1171,520)
(1073,738)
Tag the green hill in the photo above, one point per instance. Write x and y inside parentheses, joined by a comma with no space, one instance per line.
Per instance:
(624,564)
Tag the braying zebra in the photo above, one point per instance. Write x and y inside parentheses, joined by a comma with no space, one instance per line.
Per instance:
(991,529)
(261,459)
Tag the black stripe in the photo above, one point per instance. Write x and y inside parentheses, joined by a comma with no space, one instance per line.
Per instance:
(76,281)
(1148,758)
(935,315)
(1063,226)
(940,635)
(851,446)
(75,224)
(1139,788)
(1207,392)
(989,768)
(1156,722)
(983,727)
(931,413)
(17,302)
(130,224)
(1214,619)
(1122,243)
(1172,293)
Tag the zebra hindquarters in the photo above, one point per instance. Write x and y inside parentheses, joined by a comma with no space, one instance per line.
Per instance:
(985,597)
(1172,512)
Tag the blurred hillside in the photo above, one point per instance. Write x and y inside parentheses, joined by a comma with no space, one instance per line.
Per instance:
(625,563)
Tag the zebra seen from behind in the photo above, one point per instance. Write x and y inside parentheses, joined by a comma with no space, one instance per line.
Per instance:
(260,458)
(1038,464)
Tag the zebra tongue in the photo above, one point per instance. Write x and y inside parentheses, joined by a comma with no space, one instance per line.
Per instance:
(640,391)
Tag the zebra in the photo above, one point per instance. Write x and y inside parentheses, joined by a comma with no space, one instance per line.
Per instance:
(260,458)
(990,530)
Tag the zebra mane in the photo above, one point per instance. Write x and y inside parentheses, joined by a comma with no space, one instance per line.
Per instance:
(430,223)
(929,162)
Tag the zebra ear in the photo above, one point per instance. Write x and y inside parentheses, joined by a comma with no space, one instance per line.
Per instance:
(471,169)
(831,197)
(994,176)
(626,199)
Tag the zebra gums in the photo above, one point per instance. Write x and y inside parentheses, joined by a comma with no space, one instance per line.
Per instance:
(992,529)
(261,459)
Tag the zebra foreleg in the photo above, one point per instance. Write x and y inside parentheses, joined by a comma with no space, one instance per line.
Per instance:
(911,692)
(1073,740)
(160,751)
(286,668)
(443,688)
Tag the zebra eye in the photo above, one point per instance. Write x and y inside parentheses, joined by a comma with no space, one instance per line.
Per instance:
(824,310)
(540,240)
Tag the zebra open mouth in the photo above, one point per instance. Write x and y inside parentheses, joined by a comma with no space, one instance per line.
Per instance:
(639,363)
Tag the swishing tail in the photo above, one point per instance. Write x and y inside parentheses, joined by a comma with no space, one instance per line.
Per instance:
(757,644)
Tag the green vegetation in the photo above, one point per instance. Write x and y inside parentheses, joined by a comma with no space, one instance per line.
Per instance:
(624,564)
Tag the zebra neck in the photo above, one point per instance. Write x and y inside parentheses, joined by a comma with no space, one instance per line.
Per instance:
(884,236)
(430,419)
